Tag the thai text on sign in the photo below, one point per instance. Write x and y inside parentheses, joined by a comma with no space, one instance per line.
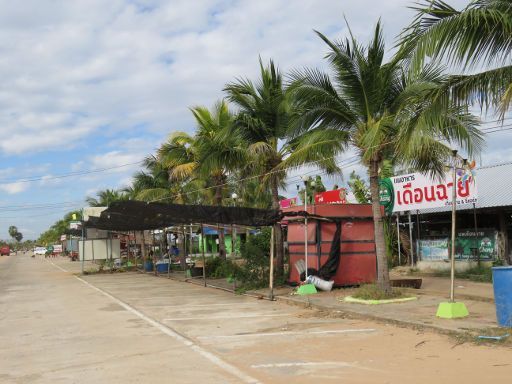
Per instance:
(338,196)
(416,191)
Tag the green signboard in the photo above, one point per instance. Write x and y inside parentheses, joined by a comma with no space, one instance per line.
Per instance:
(467,246)
(386,195)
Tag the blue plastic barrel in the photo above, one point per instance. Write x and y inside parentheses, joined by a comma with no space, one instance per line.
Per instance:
(148,265)
(502,282)
(162,267)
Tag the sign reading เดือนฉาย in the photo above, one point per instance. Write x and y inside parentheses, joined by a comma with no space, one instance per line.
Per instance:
(416,191)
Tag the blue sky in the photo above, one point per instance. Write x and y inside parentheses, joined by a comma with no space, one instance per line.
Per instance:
(90,84)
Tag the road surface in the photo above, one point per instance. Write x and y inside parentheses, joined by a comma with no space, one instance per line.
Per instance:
(56,327)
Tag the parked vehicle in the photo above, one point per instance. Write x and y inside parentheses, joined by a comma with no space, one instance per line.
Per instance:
(40,251)
(5,250)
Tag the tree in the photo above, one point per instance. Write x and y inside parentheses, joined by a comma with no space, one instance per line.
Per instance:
(312,187)
(387,113)
(60,227)
(106,197)
(208,157)
(13,230)
(477,37)
(265,112)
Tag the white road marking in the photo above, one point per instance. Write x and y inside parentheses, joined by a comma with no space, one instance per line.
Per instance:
(306,364)
(227,317)
(172,333)
(291,333)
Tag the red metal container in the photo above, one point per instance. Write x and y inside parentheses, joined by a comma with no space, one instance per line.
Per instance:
(357,256)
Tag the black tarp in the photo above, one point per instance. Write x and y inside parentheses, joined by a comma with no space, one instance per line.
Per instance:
(139,215)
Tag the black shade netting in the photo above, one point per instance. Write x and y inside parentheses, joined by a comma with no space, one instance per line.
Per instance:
(138,215)
(330,267)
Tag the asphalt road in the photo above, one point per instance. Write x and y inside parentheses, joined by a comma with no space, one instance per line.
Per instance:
(56,327)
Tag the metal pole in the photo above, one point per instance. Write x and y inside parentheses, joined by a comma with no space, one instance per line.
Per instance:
(306,230)
(191,242)
(410,240)
(476,236)
(202,251)
(418,234)
(398,238)
(454,201)
(271,277)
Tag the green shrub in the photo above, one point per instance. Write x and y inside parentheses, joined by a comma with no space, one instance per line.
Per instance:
(256,255)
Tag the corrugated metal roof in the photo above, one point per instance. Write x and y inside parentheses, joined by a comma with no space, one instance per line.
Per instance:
(494,183)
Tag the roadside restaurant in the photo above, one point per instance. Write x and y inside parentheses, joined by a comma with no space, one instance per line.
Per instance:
(483,216)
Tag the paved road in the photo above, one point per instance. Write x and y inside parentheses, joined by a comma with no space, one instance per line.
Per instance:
(134,328)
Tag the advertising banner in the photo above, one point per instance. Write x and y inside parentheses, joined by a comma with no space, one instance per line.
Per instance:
(434,249)
(416,191)
(466,246)
(338,196)
(62,237)
(287,203)
(75,225)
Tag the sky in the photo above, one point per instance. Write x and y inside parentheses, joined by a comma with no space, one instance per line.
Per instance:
(93,85)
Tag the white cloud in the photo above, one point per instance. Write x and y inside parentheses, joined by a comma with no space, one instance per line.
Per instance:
(14,188)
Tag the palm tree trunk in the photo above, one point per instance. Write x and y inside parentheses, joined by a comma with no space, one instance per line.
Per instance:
(380,243)
(278,234)
(222,243)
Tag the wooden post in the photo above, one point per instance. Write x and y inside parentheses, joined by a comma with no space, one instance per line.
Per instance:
(504,234)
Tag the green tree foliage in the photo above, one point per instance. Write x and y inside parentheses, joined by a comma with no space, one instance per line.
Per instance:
(265,112)
(313,186)
(60,227)
(477,39)
(106,197)
(359,188)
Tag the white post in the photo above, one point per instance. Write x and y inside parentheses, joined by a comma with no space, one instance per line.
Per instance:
(306,228)
(410,240)
(454,203)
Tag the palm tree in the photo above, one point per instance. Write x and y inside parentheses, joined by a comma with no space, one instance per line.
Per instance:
(386,112)
(265,111)
(477,37)
(105,197)
(208,157)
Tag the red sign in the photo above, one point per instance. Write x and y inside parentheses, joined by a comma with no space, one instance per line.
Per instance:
(287,203)
(338,196)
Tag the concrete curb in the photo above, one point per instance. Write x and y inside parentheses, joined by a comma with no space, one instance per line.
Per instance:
(379,319)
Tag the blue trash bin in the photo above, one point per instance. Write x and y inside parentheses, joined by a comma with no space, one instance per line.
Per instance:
(502,283)
(148,266)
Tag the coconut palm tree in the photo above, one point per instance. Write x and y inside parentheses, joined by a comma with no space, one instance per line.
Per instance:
(477,38)
(387,113)
(265,111)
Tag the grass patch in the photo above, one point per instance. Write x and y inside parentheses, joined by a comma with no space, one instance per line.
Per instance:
(372,292)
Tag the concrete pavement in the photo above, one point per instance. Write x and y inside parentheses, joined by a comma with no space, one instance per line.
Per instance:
(130,327)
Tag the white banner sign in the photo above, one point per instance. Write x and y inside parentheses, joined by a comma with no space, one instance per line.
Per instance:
(416,191)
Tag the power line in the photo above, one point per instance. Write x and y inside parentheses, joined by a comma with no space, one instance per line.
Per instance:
(65,175)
